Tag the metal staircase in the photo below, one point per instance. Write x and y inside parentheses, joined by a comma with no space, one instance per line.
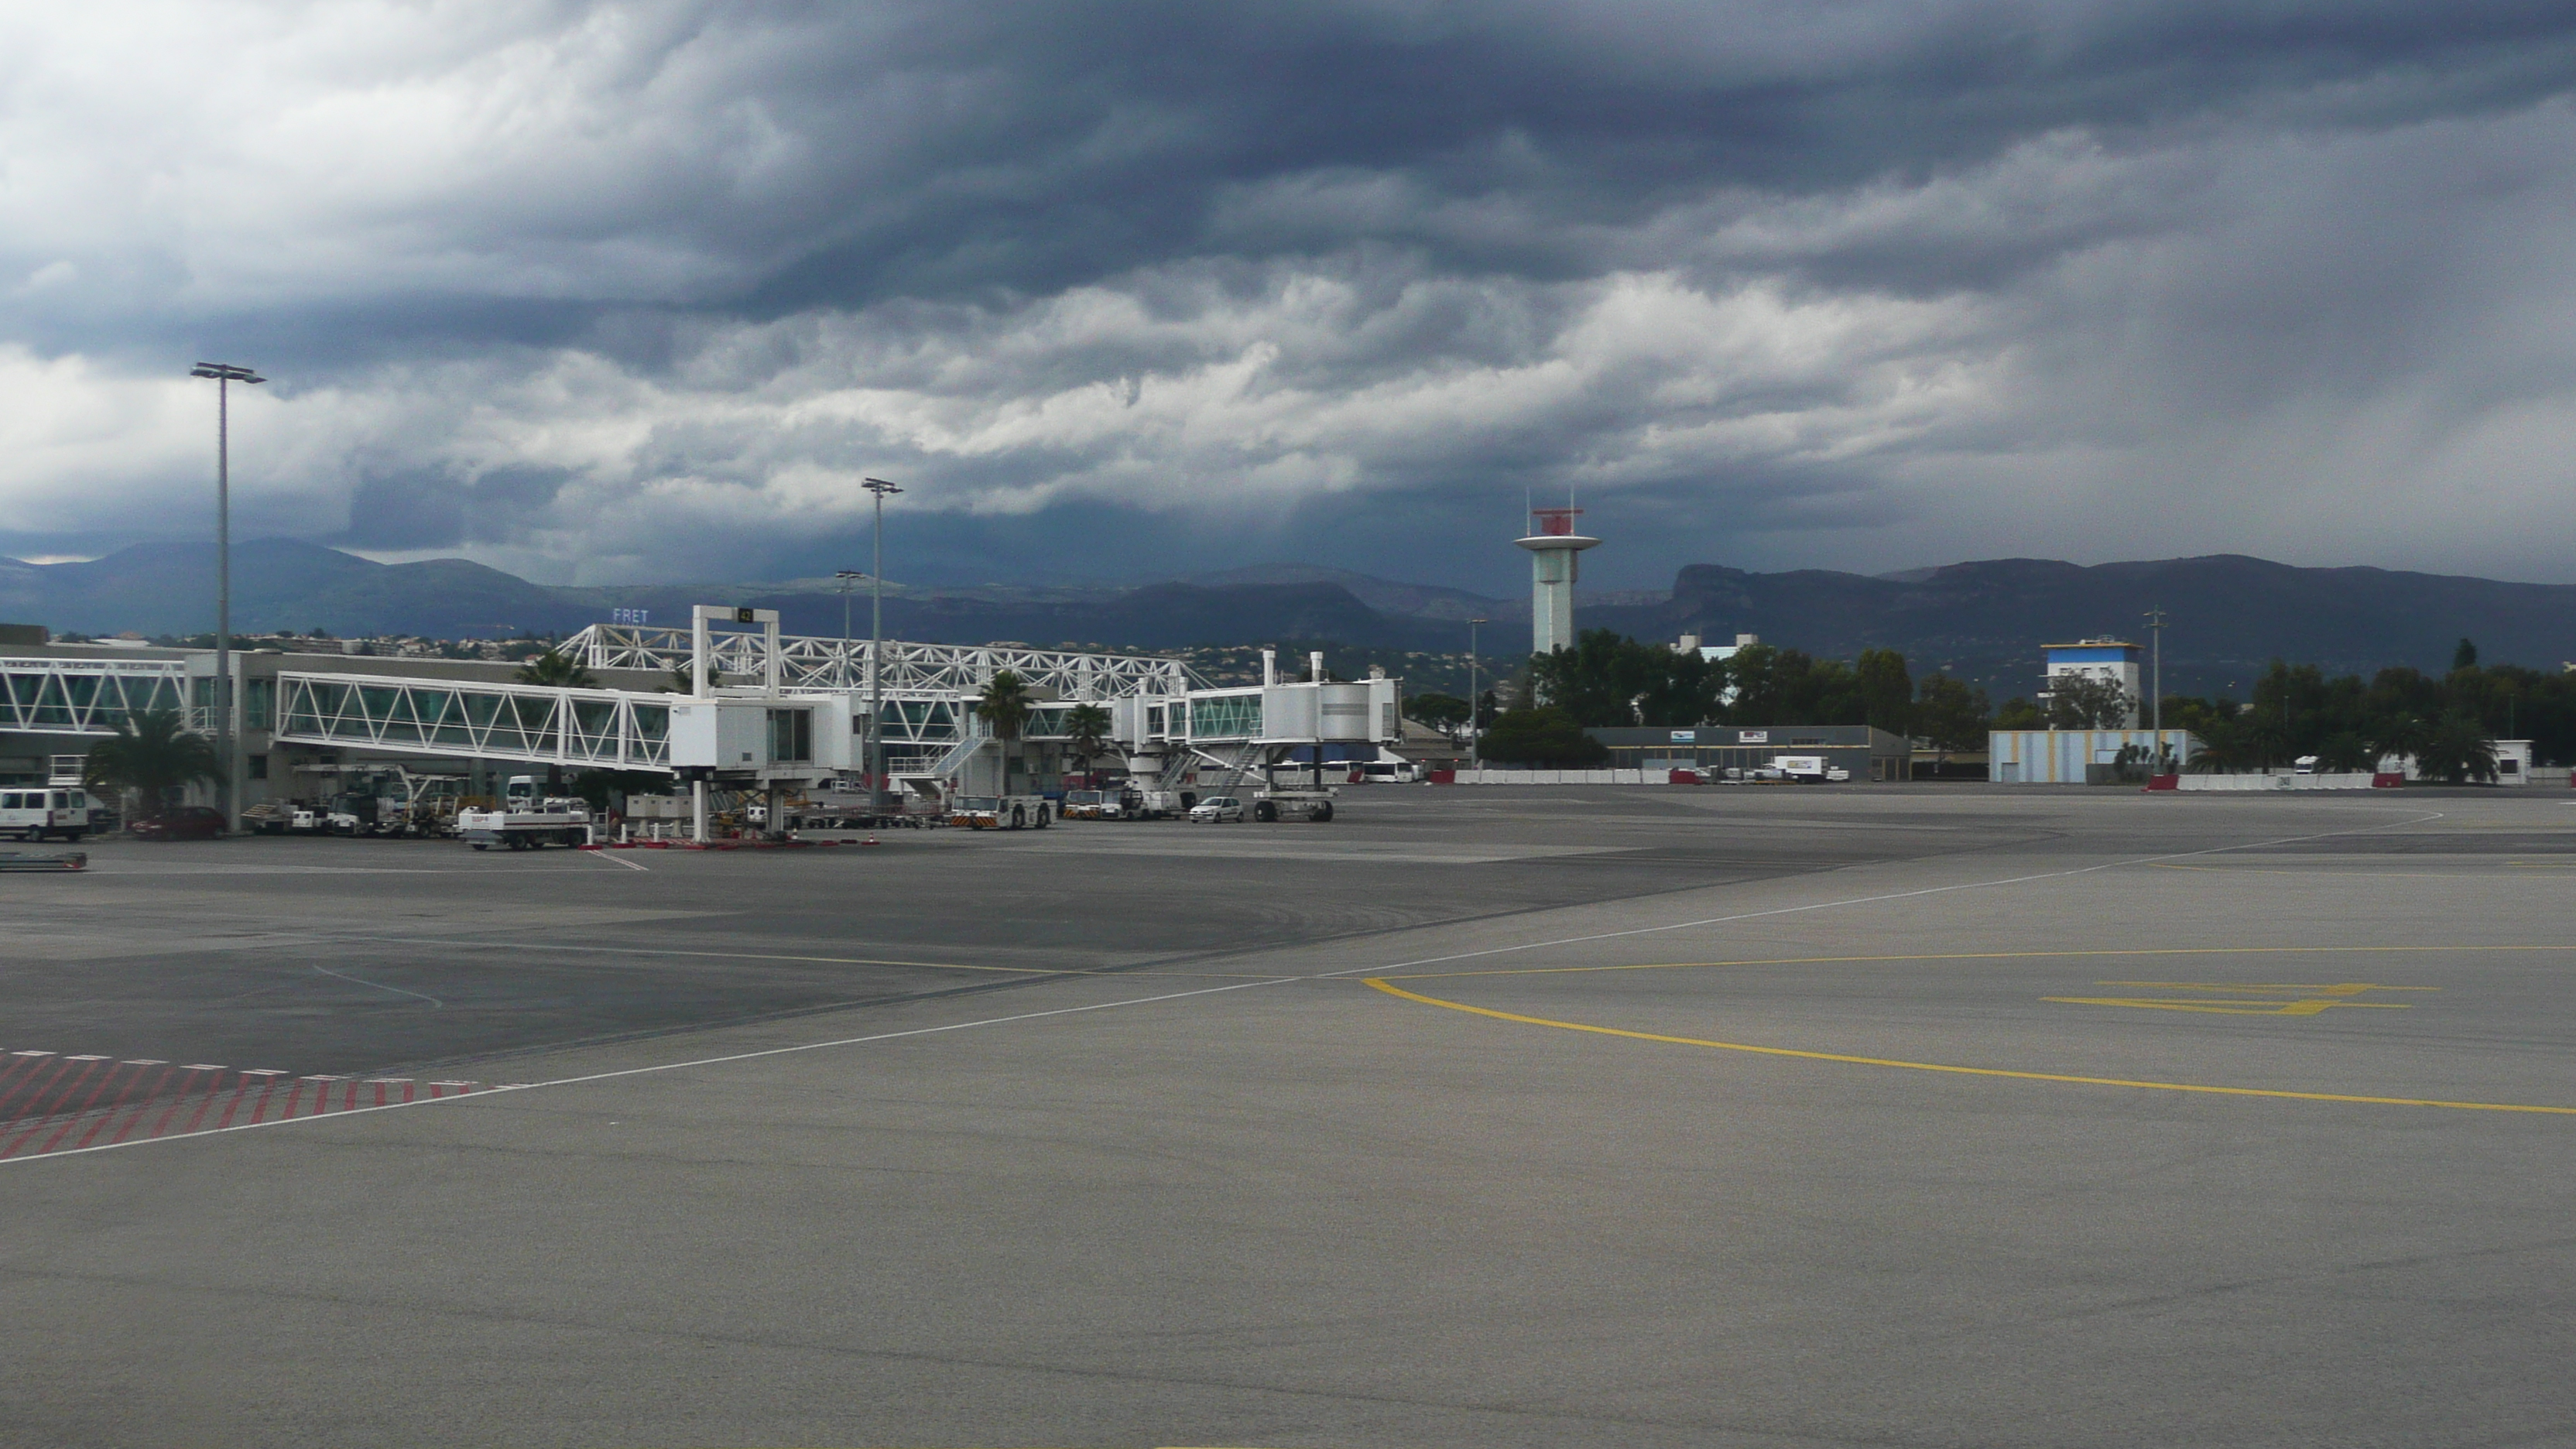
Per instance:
(955,760)
(1232,773)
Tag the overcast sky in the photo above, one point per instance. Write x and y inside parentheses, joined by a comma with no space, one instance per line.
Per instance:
(618,292)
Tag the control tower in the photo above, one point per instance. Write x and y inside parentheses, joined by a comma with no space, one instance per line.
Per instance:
(1553,546)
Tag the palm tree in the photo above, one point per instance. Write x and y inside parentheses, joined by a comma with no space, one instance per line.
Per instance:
(2458,751)
(1086,727)
(2227,746)
(1005,706)
(2346,753)
(152,754)
(557,670)
(2400,734)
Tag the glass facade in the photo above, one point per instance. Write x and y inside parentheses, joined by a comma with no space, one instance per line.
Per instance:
(1225,717)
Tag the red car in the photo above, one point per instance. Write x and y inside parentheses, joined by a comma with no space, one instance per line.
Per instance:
(188,822)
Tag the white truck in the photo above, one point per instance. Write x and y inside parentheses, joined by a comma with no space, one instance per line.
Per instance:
(526,822)
(1808,769)
(33,813)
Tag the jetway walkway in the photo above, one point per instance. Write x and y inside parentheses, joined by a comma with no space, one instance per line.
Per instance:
(607,729)
(911,671)
(66,696)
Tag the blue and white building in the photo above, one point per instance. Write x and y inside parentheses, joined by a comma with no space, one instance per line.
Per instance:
(2114,660)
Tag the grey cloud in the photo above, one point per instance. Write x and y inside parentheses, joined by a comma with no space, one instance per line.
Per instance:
(1877,284)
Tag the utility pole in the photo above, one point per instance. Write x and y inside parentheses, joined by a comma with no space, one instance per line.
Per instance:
(2156,624)
(225,375)
(1475,726)
(876,651)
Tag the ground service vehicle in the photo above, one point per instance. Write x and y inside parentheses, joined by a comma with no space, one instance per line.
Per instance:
(525,822)
(35,812)
(1086,805)
(533,826)
(999,812)
(187,822)
(1217,810)
(1293,804)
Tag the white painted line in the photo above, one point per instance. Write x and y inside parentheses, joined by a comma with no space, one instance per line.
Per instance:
(434,1002)
(499,1091)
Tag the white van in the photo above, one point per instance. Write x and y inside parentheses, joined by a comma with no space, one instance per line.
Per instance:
(33,812)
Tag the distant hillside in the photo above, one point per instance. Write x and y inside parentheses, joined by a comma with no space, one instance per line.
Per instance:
(2229,614)
(280,584)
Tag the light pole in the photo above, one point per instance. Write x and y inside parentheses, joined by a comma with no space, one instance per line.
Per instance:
(1475,731)
(225,375)
(2156,686)
(846,576)
(876,651)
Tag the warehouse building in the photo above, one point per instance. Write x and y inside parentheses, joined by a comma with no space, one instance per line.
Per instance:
(1869,753)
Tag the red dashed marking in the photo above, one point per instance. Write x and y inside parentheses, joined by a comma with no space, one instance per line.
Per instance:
(50,1102)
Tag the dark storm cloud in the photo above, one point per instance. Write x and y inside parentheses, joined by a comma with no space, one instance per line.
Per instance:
(588,286)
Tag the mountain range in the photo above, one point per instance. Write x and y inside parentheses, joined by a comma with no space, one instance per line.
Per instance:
(1983,620)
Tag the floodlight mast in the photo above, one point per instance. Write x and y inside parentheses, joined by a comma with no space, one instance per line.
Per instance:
(2156,684)
(225,374)
(876,650)
(1475,731)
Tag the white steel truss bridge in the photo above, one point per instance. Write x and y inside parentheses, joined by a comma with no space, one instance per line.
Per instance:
(922,672)
(85,696)
(607,729)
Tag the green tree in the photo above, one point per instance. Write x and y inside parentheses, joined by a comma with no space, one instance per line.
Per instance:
(1609,679)
(556,670)
(2346,753)
(2465,656)
(1443,712)
(1086,728)
(2457,752)
(2084,703)
(2020,714)
(1548,737)
(1006,706)
(1886,691)
(1951,715)
(2400,734)
(1785,686)
(152,753)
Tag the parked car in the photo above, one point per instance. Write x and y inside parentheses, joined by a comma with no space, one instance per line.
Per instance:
(188,822)
(1218,810)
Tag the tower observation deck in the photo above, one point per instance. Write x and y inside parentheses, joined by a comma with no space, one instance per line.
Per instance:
(1555,563)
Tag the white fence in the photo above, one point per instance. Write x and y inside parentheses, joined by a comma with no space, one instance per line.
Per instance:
(2274,782)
